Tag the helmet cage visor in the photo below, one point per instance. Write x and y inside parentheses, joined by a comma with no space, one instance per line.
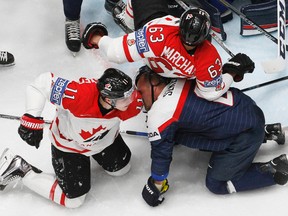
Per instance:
(128,97)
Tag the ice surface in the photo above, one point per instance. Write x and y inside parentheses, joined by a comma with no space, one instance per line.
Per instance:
(33,30)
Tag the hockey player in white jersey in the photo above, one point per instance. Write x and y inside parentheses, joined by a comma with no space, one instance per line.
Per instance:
(87,120)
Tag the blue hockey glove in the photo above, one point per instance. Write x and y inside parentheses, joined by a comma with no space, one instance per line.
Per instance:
(31,129)
(92,29)
(239,65)
(152,195)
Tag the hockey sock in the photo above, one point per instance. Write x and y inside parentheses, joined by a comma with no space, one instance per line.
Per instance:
(253,179)
(129,15)
(46,185)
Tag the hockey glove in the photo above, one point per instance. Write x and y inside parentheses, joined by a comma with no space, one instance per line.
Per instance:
(31,129)
(92,29)
(152,195)
(239,65)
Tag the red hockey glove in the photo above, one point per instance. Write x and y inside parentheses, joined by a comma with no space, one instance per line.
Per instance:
(31,129)
(152,195)
(239,65)
(92,29)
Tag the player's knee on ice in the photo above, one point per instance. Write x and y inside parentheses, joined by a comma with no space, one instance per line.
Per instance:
(74,202)
(216,187)
(115,158)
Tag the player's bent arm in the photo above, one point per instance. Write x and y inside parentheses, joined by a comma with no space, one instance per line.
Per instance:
(113,49)
(210,93)
(118,50)
(37,93)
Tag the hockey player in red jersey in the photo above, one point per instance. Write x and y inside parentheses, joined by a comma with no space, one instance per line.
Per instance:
(171,46)
(86,124)
(231,127)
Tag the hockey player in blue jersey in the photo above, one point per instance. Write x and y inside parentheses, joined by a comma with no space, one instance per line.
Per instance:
(231,127)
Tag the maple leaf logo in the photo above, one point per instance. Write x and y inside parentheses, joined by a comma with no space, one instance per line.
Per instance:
(87,134)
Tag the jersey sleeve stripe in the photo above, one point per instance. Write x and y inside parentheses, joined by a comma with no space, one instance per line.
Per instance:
(179,108)
(126,49)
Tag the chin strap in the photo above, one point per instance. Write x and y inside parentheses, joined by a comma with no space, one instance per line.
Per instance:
(110,104)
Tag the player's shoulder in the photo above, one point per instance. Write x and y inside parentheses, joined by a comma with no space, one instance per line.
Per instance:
(167,20)
(84,87)
(82,91)
(206,47)
(162,31)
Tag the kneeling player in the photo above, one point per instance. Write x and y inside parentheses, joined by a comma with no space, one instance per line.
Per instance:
(86,124)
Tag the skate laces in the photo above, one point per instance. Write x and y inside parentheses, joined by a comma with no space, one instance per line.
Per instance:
(73,29)
(3,56)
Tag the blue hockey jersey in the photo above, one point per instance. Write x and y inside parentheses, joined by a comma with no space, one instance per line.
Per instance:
(181,116)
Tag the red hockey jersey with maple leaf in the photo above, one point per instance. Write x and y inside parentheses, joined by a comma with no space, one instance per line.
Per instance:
(78,126)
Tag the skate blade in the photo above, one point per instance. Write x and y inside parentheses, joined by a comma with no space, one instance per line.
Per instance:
(74,54)
(5,160)
(11,186)
(7,65)
(285,132)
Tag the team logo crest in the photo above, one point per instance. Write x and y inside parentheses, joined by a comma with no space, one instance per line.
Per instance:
(130,42)
(108,86)
(87,135)
(91,137)
(189,16)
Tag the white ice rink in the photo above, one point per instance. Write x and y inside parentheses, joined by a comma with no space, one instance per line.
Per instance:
(33,30)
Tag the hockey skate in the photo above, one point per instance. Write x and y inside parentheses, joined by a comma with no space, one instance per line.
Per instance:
(226,16)
(278,167)
(118,14)
(274,132)
(110,4)
(6,59)
(12,168)
(72,35)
